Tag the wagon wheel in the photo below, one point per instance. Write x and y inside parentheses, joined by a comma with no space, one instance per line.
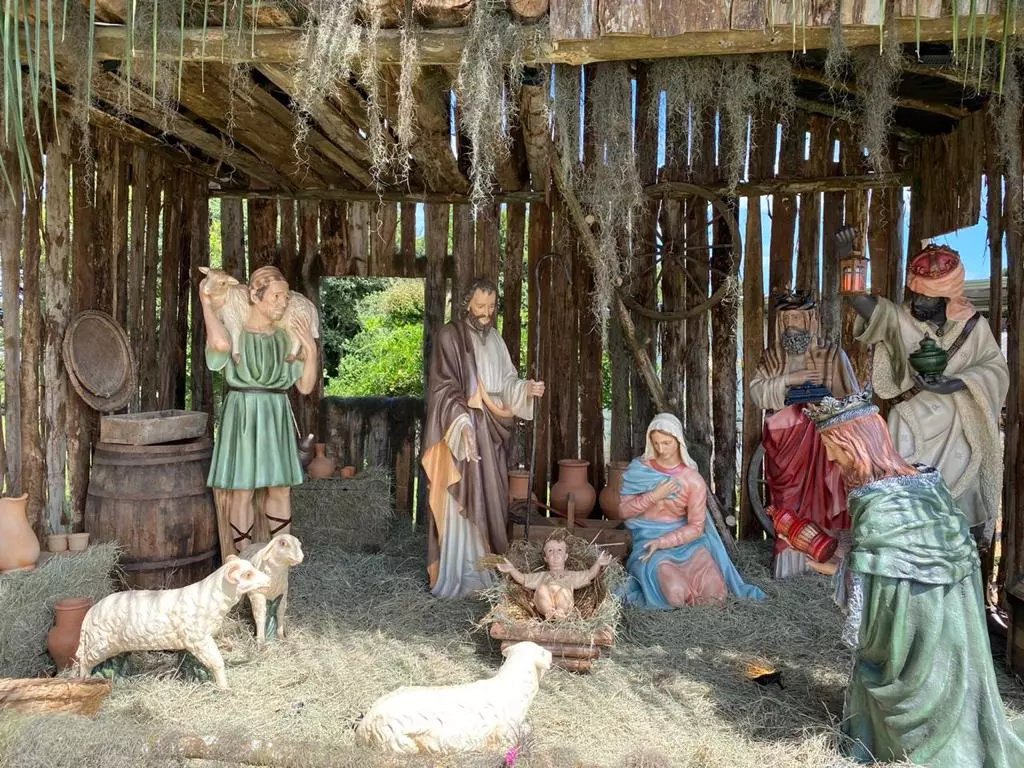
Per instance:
(757,490)
(708,211)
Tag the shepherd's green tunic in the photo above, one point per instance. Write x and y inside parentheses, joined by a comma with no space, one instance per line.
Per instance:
(923,686)
(256,445)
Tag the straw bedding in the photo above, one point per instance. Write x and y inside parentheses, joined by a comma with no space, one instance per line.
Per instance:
(27,599)
(671,693)
(354,513)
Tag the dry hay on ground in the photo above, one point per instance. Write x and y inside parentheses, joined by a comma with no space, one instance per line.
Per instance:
(27,599)
(671,693)
(354,513)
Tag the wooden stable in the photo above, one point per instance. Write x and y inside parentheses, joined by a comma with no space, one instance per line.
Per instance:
(124,229)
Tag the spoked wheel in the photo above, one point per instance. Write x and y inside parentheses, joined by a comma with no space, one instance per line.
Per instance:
(757,488)
(687,249)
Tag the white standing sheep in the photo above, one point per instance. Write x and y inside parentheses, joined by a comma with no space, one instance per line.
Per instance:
(231,305)
(484,715)
(184,619)
(273,559)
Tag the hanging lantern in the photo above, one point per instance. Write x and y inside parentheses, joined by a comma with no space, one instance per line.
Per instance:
(853,275)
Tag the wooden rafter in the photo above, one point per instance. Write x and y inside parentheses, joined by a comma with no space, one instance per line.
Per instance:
(444,46)
(906,102)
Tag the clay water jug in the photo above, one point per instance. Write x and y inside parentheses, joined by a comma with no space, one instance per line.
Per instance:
(19,547)
(322,466)
(62,641)
(609,497)
(572,479)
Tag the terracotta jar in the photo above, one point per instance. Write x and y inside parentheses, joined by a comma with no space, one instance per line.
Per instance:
(19,547)
(62,642)
(347,472)
(572,479)
(322,466)
(609,497)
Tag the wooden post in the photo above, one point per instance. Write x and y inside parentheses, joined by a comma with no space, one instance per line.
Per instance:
(830,308)
(808,256)
(103,253)
(262,234)
(560,317)
(137,258)
(232,238)
(590,377)
(33,462)
(169,289)
(539,243)
(307,407)
(57,290)
(753,346)
(119,264)
(202,378)
(437,216)
(463,254)
(382,239)
(288,252)
(149,374)
(81,418)
(186,241)
(334,237)
(780,265)
(512,322)
(10,262)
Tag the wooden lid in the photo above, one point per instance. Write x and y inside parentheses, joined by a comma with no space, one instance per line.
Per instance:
(99,361)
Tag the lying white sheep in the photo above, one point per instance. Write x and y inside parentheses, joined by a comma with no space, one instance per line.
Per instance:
(273,559)
(182,619)
(231,305)
(483,715)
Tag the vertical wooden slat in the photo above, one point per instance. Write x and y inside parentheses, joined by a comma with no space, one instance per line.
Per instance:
(855,216)
(780,264)
(202,379)
(561,341)
(149,376)
(288,251)
(334,237)
(673,279)
(33,461)
(119,275)
(307,282)
(808,253)
(358,229)
(103,255)
(512,322)
(486,258)
(80,416)
(136,260)
(539,293)
(57,293)
(646,244)
(10,262)
(262,233)
(408,231)
(463,246)
(185,244)
(753,346)
(830,312)
(171,262)
(437,216)
(232,237)
(591,349)
(382,240)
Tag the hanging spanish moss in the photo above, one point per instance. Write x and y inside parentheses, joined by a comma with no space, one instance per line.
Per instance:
(775,84)
(739,94)
(240,85)
(145,72)
(377,138)
(331,36)
(837,60)
(612,191)
(406,123)
(489,101)
(691,86)
(566,109)
(878,73)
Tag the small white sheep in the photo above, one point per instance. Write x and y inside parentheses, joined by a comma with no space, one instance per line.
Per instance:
(273,559)
(182,619)
(483,715)
(231,304)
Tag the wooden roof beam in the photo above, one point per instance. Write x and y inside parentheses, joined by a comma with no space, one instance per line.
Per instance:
(444,46)
(905,102)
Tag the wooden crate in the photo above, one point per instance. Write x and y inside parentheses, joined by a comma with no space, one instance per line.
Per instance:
(571,650)
(153,427)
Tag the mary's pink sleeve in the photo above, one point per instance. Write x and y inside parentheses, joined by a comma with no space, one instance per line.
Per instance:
(635,505)
(696,503)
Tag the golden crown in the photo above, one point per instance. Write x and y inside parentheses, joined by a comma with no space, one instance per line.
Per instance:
(831,411)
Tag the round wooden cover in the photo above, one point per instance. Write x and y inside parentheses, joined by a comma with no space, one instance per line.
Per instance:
(99,361)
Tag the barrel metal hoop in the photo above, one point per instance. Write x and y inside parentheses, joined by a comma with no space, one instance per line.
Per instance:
(100,493)
(154,461)
(159,565)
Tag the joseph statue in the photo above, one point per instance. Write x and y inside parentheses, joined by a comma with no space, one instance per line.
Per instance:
(474,394)
(951,424)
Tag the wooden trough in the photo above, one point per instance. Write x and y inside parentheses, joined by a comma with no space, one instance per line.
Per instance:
(51,695)
(573,650)
(604,533)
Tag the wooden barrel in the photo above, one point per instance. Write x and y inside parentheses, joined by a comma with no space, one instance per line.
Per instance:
(154,502)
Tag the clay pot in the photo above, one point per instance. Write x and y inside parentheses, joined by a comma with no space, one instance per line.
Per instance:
(57,542)
(322,466)
(347,472)
(609,497)
(62,642)
(572,479)
(19,547)
(78,542)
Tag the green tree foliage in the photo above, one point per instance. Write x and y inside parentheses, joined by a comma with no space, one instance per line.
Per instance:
(339,319)
(385,358)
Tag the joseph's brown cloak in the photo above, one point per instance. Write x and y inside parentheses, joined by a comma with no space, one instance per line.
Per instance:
(479,488)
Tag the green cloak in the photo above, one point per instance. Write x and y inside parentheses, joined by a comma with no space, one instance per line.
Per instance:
(923,686)
(256,446)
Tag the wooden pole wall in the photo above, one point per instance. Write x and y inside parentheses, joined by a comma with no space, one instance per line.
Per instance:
(11,231)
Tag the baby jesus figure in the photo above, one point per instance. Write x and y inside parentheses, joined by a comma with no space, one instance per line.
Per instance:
(553,588)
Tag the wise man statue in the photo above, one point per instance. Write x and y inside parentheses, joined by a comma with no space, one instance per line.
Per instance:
(950,422)
(801,368)
(474,393)
(256,447)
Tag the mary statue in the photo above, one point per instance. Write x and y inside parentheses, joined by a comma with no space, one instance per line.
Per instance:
(676,559)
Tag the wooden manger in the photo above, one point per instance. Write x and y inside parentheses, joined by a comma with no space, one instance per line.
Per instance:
(606,534)
(571,649)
